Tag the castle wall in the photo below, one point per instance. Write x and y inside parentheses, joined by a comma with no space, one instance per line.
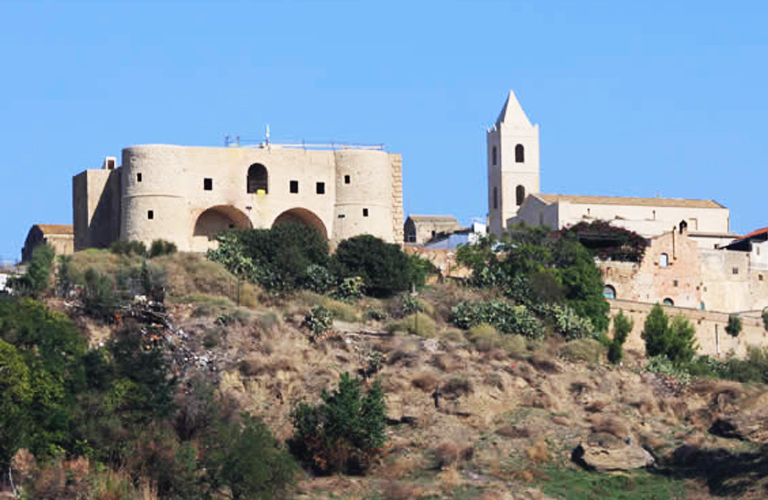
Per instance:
(711,336)
(96,208)
(182,193)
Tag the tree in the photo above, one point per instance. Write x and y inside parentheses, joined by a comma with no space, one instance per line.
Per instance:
(675,340)
(344,432)
(36,280)
(622,326)
(384,267)
(734,325)
(15,396)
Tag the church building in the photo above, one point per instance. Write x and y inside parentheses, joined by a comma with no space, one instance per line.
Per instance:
(514,193)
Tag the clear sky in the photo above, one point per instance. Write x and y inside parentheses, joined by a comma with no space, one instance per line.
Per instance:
(633,98)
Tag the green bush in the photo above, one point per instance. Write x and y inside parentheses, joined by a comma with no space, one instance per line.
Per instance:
(349,289)
(277,259)
(765,318)
(734,325)
(375,314)
(566,322)
(318,279)
(100,298)
(15,396)
(622,326)
(505,317)
(662,364)
(420,269)
(158,248)
(676,340)
(417,324)
(36,280)
(411,305)
(344,432)
(128,248)
(588,350)
(319,321)
(384,267)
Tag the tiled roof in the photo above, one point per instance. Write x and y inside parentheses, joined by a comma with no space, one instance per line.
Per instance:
(622,200)
(757,232)
(55,229)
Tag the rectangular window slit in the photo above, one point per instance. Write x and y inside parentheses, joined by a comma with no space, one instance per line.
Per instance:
(150,214)
(138,177)
(208,184)
(346,179)
(321,188)
(294,186)
(365,212)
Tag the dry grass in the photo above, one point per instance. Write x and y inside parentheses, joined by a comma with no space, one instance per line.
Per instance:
(587,350)
(417,324)
(395,490)
(538,452)
(446,454)
(515,345)
(513,432)
(458,385)
(610,424)
(426,381)
(484,337)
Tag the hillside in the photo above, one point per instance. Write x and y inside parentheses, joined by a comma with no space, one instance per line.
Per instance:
(470,413)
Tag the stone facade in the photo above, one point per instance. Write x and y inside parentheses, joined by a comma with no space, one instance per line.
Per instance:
(59,237)
(188,194)
(419,229)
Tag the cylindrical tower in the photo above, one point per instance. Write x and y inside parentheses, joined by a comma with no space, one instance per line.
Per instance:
(363,194)
(153,201)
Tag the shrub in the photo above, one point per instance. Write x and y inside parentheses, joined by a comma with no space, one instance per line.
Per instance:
(765,318)
(662,364)
(420,269)
(15,395)
(319,321)
(675,340)
(349,289)
(566,322)
(344,432)
(65,276)
(341,310)
(458,385)
(588,350)
(128,248)
(384,267)
(411,305)
(417,324)
(621,328)
(100,300)
(484,337)
(505,317)
(318,279)
(375,314)
(277,258)
(158,248)
(517,345)
(734,325)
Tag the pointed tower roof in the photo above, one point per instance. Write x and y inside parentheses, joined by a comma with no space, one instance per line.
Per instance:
(512,113)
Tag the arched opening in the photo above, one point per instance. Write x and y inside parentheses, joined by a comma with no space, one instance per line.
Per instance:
(683,226)
(495,198)
(609,292)
(519,154)
(520,195)
(668,302)
(258,179)
(493,156)
(663,260)
(213,221)
(302,216)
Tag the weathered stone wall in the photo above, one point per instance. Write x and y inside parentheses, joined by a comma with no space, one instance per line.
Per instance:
(710,326)
(444,260)
(397,197)
(96,208)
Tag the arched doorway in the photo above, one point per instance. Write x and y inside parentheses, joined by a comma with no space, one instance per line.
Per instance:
(258,179)
(213,221)
(302,216)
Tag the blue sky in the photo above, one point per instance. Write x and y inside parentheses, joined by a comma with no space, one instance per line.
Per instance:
(633,98)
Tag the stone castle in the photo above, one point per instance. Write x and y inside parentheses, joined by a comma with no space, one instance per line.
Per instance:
(187,195)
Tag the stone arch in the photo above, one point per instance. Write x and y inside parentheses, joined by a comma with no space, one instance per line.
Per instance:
(668,302)
(302,216)
(609,292)
(258,179)
(215,220)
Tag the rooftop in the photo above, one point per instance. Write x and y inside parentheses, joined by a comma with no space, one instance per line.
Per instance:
(624,200)
(55,228)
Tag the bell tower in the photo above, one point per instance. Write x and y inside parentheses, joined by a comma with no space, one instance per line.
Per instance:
(513,163)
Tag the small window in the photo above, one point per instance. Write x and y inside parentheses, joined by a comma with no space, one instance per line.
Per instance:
(208,184)
(138,177)
(493,155)
(495,198)
(735,270)
(365,212)
(347,179)
(520,195)
(110,163)
(675,283)
(609,292)
(668,302)
(294,186)
(150,214)
(519,154)
(663,260)
(321,188)
(759,277)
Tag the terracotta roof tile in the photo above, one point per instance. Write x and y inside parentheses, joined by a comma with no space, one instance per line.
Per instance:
(55,228)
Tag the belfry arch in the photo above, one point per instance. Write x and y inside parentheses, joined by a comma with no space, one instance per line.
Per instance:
(304,217)
(213,221)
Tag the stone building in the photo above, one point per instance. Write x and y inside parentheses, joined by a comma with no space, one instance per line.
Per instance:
(187,194)
(420,229)
(58,236)
(514,193)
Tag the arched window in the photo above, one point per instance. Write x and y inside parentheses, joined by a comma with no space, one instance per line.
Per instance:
(495,198)
(663,260)
(609,292)
(668,302)
(683,226)
(520,195)
(519,154)
(258,179)
(493,156)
